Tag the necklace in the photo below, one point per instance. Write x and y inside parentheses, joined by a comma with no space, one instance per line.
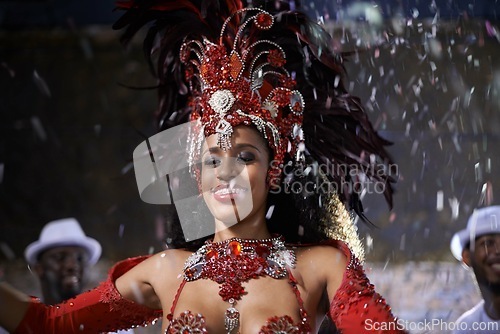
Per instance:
(234,261)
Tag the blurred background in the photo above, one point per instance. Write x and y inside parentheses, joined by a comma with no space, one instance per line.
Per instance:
(427,71)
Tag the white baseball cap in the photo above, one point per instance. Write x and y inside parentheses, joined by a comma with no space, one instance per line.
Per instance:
(63,232)
(482,221)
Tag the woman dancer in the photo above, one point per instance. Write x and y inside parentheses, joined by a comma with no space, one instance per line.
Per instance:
(267,112)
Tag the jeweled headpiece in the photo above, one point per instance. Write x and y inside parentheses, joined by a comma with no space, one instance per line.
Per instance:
(240,81)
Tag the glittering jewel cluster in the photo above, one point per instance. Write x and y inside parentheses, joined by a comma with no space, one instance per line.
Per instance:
(278,325)
(238,81)
(187,322)
(234,261)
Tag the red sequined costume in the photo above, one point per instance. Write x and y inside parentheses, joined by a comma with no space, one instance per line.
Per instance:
(356,308)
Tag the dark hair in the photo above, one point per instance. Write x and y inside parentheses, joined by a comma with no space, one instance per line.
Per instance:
(336,127)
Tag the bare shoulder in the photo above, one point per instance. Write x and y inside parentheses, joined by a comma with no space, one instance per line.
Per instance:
(161,267)
(157,274)
(164,266)
(325,262)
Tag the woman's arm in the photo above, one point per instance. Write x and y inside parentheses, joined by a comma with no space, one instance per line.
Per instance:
(102,309)
(355,306)
(13,306)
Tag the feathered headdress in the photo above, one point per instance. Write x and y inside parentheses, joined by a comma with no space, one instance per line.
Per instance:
(225,64)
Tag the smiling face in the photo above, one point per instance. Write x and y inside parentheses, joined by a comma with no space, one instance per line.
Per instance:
(484,258)
(61,272)
(234,181)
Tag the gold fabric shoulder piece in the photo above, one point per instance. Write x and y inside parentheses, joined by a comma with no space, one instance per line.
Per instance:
(339,225)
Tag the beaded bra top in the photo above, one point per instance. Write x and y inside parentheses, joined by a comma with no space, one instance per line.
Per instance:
(230,263)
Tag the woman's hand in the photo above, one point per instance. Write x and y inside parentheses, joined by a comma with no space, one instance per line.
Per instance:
(13,306)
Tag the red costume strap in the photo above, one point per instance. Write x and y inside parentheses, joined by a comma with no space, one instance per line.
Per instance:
(293,283)
(356,306)
(102,309)
(176,299)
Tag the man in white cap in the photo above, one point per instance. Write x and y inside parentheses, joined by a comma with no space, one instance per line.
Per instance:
(478,247)
(60,258)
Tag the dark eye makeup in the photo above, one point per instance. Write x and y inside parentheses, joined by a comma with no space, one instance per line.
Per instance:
(214,161)
(211,161)
(246,157)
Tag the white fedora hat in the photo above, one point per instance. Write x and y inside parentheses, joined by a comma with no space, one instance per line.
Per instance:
(63,232)
(482,221)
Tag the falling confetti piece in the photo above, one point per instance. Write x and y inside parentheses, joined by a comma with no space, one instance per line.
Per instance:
(486,198)
(455,208)
(87,48)
(11,72)
(7,251)
(160,227)
(270,211)
(439,200)
(38,127)
(125,169)
(492,31)
(97,129)
(369,243)
(41,84)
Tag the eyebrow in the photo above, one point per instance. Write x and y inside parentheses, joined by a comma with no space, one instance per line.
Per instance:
(485,236)
(215,149)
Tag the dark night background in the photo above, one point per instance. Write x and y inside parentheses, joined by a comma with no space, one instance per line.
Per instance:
(429,77)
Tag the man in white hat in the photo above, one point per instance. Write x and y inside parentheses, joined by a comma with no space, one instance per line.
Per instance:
(60,258)
(478,247)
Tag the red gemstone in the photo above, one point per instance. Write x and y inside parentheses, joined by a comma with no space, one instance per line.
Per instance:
(262,251)
(234,247)
(275,58)
(297,107)
(211,254)
(235,64)
(264,20)
(204,70)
